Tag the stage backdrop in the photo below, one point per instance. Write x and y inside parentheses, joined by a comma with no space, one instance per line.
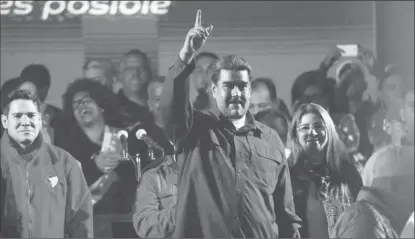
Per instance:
(280,39)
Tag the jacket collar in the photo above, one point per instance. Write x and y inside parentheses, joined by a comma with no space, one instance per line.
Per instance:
(10,145)
(250,125)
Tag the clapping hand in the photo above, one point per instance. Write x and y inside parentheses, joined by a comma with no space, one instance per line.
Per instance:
(195,39)
(107,161)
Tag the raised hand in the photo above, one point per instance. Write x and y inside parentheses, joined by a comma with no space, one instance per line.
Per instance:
(333,55)
(195,38)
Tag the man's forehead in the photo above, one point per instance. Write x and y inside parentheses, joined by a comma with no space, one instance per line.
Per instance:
(261,88)
(22,106)
(93,72)
(204,61)
(134,60)
(234,76)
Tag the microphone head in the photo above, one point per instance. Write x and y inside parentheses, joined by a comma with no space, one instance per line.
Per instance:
(122,134)
(139,134)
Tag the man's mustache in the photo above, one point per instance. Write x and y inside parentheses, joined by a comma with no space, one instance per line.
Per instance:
(238,100)
(25,126)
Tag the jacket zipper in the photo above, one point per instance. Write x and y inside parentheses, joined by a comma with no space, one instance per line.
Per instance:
(29,207)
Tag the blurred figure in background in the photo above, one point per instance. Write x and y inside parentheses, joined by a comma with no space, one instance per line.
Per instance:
(276,120)
(8,87)
(155,208)
(350,91)
(36,79)
(407,113)
(324,180)
(102,70)
(315,87)
(153,128)
(92,121)
(390,89)
(200,81)
(386,202)
(135,74)
(395,159)
(264,97)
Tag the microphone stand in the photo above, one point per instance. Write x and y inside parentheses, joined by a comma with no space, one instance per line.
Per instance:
(136,160)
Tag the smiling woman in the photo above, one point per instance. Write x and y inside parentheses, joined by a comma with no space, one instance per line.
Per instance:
(324,180)
(89,133)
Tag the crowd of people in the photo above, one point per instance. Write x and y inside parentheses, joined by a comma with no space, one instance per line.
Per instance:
(227,157)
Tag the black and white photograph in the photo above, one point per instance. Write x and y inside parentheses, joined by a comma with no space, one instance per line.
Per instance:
(207,119)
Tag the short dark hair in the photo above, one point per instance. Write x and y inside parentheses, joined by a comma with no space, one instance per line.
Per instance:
(207,54)
(39,75)
(230,62)
(140,54)
(269,84)
(137,53)
(19,95)
(158,79)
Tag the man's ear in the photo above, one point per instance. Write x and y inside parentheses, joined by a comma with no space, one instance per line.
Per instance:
(4,121)
(213,89)
(40,117)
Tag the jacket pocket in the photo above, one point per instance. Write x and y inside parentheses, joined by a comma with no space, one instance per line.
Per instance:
(267,164)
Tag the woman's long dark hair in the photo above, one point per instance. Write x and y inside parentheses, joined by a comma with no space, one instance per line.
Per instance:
(336,155)
(104,97)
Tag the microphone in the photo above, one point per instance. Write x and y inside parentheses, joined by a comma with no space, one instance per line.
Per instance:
(122,135)
(141,134)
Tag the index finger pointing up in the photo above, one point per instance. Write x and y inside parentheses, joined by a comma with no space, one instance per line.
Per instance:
(198,21)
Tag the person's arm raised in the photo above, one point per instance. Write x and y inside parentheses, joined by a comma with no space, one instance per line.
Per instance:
(175,107)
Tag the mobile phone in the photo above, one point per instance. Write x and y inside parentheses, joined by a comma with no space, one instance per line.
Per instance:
(351,50)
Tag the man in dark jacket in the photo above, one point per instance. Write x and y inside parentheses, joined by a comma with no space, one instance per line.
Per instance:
(44,193)
(232,168)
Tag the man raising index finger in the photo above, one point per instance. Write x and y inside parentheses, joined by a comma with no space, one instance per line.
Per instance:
(234,179)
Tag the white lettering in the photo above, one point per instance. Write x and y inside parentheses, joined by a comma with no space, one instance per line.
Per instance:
(48,10)
(160,7)
(99,8)
(23,7)
(95,8)
(145,7)
(114,7)
(5,7)
(84,6)
(125,10)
